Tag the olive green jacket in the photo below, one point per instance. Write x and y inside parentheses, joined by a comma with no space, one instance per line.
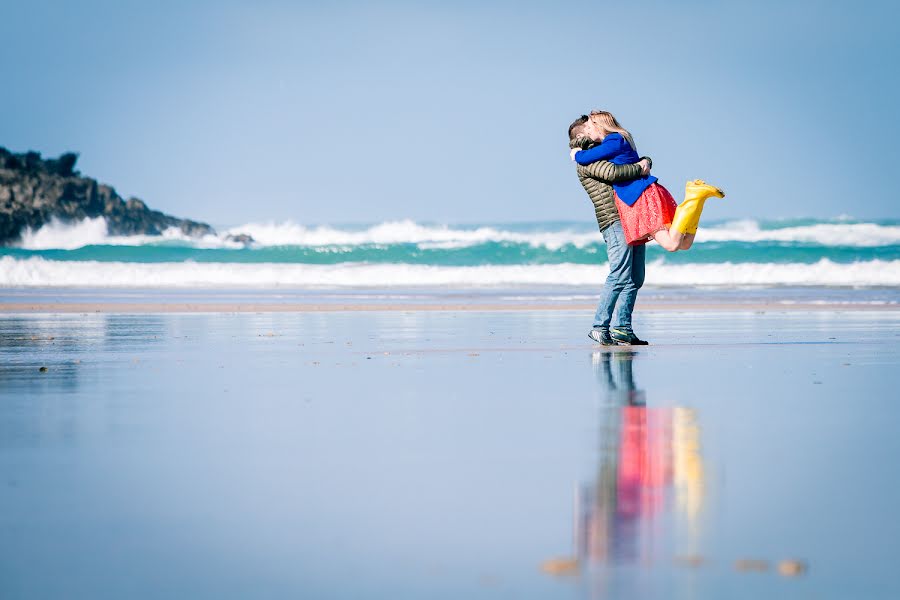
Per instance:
(597,179)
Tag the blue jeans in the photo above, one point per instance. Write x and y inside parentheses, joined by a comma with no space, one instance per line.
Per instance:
(626,276)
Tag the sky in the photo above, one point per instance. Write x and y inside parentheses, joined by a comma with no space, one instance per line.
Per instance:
(344,112)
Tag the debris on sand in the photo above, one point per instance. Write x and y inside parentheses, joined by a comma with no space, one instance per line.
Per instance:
(691,560)
(560,566)
(747,565)
(792,568)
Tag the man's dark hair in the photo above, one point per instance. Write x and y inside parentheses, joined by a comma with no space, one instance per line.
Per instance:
(576,126)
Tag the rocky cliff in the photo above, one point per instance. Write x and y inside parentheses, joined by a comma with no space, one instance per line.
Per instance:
(34,190)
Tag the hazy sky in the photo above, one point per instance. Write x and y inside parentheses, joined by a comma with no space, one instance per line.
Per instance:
(231,112)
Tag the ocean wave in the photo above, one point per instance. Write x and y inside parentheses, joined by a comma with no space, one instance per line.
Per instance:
(826,234)
(408,232)
(94,232)
(59,235)
(446,237)
(40,272)
(90,232)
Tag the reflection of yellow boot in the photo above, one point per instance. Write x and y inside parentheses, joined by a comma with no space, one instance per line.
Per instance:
(687,215)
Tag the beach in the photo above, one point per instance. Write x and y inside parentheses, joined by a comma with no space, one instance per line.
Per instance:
(364,451)
(407,410)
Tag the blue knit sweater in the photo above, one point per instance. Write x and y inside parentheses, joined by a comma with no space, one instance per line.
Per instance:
(616,149)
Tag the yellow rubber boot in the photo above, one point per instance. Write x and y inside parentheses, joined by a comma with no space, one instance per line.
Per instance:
(687,215)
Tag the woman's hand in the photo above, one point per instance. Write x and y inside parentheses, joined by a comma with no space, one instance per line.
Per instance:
(645,166)
(573,152)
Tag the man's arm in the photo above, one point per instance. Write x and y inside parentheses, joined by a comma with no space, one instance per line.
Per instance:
(609,173)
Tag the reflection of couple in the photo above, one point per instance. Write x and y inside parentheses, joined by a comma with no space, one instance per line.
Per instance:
(645,455)
(631,208)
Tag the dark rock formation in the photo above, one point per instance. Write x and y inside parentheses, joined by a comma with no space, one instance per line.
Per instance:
(241,238)
(33,191)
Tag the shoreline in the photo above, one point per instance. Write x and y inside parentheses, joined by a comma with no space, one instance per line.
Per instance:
(299,307)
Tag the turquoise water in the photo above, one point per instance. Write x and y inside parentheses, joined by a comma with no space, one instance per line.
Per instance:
(833,252)
(804,241)
(494,253)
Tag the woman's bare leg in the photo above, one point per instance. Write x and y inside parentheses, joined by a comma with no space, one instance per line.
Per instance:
(686,241)
(670,239)
(680,234)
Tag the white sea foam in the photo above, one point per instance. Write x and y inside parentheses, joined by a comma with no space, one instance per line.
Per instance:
(39,272)
(65,235)
(826,234)
(407,232)
(94,232)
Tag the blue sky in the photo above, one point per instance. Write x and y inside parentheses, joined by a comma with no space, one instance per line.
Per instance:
(341,112)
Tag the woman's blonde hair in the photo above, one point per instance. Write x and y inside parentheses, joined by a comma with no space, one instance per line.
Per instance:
(608,122)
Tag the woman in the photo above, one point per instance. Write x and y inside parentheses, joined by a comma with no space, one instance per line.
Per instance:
(646,209)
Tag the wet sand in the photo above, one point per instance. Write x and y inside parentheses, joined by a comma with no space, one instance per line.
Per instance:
(448,453)
(293,307)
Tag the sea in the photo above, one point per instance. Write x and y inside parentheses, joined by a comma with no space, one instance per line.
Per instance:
(842,258)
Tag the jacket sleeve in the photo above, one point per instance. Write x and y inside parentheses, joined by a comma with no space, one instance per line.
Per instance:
(611,146)
(609,173)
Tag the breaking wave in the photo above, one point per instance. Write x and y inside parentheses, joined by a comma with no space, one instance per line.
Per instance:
(40,272)
(93,232)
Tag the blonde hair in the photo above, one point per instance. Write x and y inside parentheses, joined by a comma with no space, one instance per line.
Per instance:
(608,122)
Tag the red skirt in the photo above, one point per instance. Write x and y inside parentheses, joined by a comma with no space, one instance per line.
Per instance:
(653,210)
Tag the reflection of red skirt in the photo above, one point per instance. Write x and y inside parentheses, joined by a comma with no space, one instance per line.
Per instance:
(652,211)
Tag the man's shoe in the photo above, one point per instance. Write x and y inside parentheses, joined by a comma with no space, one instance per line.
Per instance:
(601,336)
(626,338)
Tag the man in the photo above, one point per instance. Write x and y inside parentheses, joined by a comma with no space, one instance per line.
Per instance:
(626,263)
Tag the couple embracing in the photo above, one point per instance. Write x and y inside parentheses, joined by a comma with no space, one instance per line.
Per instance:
(632,208)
